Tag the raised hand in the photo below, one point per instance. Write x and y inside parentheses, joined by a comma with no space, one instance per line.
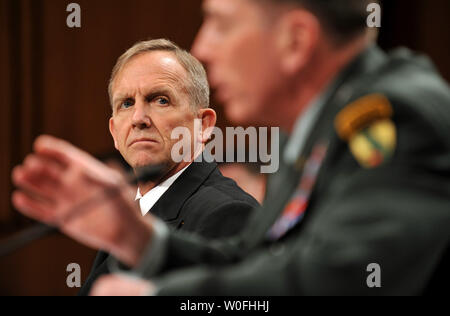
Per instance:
(65,187)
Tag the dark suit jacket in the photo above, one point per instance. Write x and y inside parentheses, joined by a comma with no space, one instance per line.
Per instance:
(200,201)
(396,215)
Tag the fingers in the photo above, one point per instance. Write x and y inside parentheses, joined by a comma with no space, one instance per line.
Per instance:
(64,153)
(121,285)
(69,156)
(33,208)
(65,187)
(36,166)
(53,149)
(38,177)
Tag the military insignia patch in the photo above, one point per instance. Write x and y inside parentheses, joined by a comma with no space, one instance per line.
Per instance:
(367,126)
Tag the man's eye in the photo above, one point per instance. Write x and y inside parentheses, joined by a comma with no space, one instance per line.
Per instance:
(127,103)
(162,101)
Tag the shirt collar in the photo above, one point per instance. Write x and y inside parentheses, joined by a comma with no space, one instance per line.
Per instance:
(306,121)
(147,201)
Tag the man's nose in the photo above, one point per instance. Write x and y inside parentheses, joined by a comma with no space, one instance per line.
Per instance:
(201,48)
(141,118)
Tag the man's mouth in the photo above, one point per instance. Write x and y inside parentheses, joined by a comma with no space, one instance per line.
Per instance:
(143,141)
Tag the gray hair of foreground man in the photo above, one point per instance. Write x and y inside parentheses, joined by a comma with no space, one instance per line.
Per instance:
(196,82)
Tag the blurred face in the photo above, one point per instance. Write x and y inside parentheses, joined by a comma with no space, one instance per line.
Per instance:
(237,44)
(149,101)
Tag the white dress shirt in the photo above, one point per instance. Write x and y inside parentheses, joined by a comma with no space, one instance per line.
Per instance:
(147,201)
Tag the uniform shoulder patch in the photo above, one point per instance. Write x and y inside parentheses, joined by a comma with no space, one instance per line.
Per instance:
(367,126)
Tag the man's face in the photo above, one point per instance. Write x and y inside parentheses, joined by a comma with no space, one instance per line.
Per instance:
(238,46)
(149,101)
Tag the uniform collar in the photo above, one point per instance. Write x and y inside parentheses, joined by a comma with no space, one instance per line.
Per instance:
(308,121)
(305,123)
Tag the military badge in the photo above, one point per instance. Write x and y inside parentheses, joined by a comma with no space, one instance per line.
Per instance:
(367,126)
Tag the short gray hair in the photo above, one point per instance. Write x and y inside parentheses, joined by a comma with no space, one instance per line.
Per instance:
(197,83)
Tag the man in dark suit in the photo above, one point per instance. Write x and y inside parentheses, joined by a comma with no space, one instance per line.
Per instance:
(361,203)
(189,196)
(201,201)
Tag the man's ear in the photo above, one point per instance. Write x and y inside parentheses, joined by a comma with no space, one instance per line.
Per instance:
(209,118)
(112,131)
(299,33)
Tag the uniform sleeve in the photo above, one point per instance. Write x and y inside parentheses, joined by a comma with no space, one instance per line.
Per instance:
(400,226)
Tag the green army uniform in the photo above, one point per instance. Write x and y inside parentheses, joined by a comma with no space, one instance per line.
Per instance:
(379,194)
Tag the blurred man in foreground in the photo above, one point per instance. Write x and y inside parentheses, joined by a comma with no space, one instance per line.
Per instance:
(364,183)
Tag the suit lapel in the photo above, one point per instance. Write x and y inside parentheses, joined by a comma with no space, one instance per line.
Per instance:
(167,208)
(169,205)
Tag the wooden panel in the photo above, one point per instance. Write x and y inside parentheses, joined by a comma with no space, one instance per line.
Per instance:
(5,101)
(434,33)
(78,62)
(420,25)
(20,89)
(54,80)
(56,77)
(56,83)
(40,269)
